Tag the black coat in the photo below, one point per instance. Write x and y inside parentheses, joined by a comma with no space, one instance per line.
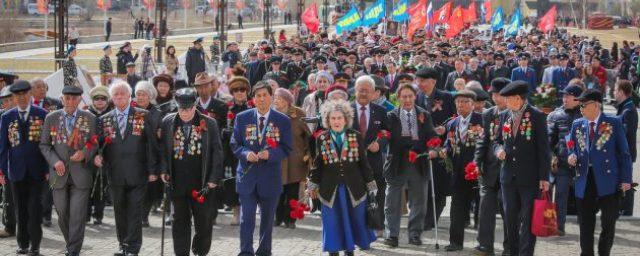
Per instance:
(400,146)
(485,158)
(528,159)
(377,122)
(124,58)
(354,172)
(628,114)
(559,125)
(194,63)
(217,110)
(453,75)
(462,152)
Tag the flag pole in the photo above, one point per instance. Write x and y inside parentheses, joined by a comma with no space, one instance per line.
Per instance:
(46,22)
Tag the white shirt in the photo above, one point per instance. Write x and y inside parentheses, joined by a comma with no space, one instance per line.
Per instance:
(204,104)
(464,124)
(26,116)
(266,118)
(367,113)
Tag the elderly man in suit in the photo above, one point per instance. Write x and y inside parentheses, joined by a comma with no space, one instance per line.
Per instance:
(413,127)
(128,160)
(440,105)
(460,72)
(370,120)
(261,140)
(196,165)
(66,144)
(23,164)
(523,146)
(525,73)
(600,152)
(562,75)
(489,168)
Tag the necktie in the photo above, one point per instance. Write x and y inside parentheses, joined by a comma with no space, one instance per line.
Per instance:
(363,121)
(69,124)
(516,124)
(261,125)
(592,132)
(186,128)
(23,115)
(409,122)
(122,123)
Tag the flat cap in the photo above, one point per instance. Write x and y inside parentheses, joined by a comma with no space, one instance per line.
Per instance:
(20,86)
(72,90)
(321,59)
(574,90)
(427,73)
(465,94)
(524,55)
(186,97)
(563,56)
(515,88)
(481,95)
(404,76)
(497,84)
(7,77)
(277,59)
(590,95)
(498,55)
(342,76)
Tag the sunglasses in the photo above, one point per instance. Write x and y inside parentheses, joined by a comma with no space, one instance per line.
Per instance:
(100,98)
(584,105)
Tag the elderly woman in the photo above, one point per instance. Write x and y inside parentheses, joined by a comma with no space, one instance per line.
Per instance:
(296,166)
(313,101)
(459,84)
(145,98)
(340,179)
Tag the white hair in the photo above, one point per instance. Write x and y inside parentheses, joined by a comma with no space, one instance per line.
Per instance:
(147,87)
(473,84)
(366,80)
(119,85)
(341,106)
(338,93)
(38,80)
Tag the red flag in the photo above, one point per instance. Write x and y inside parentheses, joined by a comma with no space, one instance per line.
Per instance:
(548,21)
(456,23)
(104,4)
(310,18)
(239,4)
(487,11)
(418,13)
(149,3)
(282,4)
(42,6)
(442,14)
(186,4)
(261,5)
(469,14)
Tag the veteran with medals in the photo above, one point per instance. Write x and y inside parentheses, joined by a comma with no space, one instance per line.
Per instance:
(23,166)
(66,143)
(192,163)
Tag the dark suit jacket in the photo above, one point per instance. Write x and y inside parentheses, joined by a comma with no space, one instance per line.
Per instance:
(486,160)
(399,146)
(453,75)
(377,122)
(130,158)
(440,105)
(212,170)
(461,152)
(49,104)
(25,159)
(527,161)
(629,116)
(217,110)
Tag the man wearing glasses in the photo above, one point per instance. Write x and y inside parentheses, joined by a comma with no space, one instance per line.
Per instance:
(601,154)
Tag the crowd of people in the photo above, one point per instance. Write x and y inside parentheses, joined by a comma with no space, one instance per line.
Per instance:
(341,123)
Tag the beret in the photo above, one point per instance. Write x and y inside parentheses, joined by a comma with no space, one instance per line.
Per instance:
(428,73)
(515,88)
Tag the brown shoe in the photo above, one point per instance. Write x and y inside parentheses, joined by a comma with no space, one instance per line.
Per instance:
(5,234)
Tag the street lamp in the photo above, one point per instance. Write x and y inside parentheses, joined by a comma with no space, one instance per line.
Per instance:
(161,36)
(222,8)
(300,10)
(61,21)
(325,14)
(267,19)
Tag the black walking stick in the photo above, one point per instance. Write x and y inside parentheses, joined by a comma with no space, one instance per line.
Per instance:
(165,205)
(433,201)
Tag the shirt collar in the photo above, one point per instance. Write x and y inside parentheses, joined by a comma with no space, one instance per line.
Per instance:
(366,107)
(407,111)
(520,111)
(466,120)
(25,110)
(75,113)
(125,112)
(266,115)
(206,103)
(596,120)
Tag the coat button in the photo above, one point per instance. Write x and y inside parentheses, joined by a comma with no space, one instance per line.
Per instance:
(606,161)
(577,174)
(604,150)
(514,147)
(608,171)
(514,159)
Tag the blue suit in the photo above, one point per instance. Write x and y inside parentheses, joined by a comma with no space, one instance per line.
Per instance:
(528,75)
(260,183)
(561,76)
(611,163)
(25,158)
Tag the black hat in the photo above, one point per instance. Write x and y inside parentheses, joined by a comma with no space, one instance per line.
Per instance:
(7,77)
(130,64)
(524,55)
(427,73)
(72,90)
(20,86)
(497,84)
(186,97)
(404,76)
(342,76)
(481,95)
(515,88)
(574,90)
(179,84)
(321,58)
(199,40)
(466,94)
(590,95)
(268,50)
(379,82)
(498,55)
(297,52)
(563,56)
(275,59)
(341,50)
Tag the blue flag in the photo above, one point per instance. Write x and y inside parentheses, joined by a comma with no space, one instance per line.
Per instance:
(374,14)
(514,25)
(400,12)
(349,21)
(496,20)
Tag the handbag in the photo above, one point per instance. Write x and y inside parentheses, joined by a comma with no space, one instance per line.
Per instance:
(544,220)
(372,217)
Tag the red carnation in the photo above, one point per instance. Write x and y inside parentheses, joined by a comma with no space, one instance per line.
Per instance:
(250,103)
(434,143)
(107,140)
(194,194)
(383,134)
(317,133)
(470,171)
(272,143)
(134,104)
(88,145)
(230,104)
(230,115)
(413,156)
(200,199)
(293,203)
(570,144)
(94,139)
(506,129)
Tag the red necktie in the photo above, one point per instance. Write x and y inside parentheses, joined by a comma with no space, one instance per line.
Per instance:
(363,121)
(592,133)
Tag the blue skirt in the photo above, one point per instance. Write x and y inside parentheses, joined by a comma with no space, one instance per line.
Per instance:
(343,226)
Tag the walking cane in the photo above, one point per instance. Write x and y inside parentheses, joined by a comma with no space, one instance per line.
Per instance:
(165,205)
(433,202)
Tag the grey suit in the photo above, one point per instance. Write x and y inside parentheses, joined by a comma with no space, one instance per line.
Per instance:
(71,190)
(129,160)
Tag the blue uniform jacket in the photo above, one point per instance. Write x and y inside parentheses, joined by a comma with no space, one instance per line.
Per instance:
(608,156)
(19,159)
(528,75)
(561,76)
(265,176)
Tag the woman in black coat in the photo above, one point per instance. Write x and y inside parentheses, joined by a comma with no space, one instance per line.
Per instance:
(124,57)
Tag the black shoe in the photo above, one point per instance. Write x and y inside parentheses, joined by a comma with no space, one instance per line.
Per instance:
(291,225)
(391,242)
(415,241)
(46,223)
(34,253)
(120,253)
(348,253)
(22,251)
(334,254)
(484,250)
(561,232)
(97,222)
(131,254)
(506,252)
(145,224)
(453,248)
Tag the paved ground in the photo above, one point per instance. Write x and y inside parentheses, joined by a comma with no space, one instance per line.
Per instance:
(306,240)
